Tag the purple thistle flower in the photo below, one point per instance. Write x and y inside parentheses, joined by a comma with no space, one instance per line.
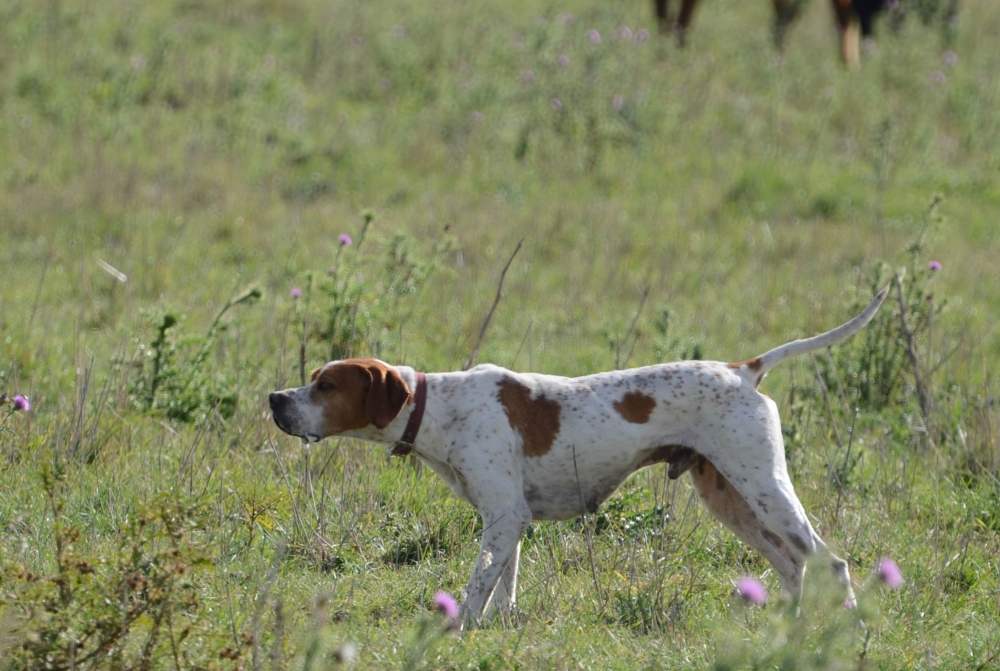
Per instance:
(563,61)
(934,266)
(555,104)
(445,603)
(594,36)
(345,240)
(889,573)
(528,77)
(476,117)
(22,403)
(641,35)
(618,102)
(625,33)
(938,77)
(750,589)
(296,293)
(949,58)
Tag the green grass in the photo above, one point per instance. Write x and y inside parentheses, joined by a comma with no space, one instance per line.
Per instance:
(203,148)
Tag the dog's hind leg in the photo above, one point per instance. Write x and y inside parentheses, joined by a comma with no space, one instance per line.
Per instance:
(729,507)
(779,509)
(753,464)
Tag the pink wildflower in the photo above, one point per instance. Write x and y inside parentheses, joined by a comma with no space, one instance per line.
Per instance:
(563,61)
(751,589)
(938,77)
(555,104)
(594,36)
(618,102)
(641,35)
(934,265)
(345,240)
(446,604)
(296,293)
(476,116)
(625,33)
(22,403)
(528,77)
(889,573)
(949,58)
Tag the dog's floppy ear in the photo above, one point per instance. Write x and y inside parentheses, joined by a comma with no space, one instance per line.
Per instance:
(387,393)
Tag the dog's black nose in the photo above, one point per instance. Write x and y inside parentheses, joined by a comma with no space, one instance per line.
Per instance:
(277,401)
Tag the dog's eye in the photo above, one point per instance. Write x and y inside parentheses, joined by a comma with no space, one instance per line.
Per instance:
(325,386)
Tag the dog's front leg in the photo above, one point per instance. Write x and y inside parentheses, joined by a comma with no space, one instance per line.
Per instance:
(505,596)
(502,531)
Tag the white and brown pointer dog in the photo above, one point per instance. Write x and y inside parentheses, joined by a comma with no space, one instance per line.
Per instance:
(525,446)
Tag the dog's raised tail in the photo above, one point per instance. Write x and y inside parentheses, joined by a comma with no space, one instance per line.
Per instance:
(754,370)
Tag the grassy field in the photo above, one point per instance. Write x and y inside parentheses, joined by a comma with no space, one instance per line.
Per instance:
(170,172)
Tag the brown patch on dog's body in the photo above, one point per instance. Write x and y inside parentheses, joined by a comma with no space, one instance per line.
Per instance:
(635,407)
(535,420)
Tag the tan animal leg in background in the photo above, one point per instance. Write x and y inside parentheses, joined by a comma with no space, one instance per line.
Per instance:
(849,31)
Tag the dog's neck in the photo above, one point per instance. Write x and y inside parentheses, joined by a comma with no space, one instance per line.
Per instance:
(405,444)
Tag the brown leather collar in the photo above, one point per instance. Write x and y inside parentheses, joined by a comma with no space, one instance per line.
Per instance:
(405,444)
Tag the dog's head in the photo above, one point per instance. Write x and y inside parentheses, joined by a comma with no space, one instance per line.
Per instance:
(343,396)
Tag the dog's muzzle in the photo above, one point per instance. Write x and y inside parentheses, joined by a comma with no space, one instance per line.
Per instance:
(281,405)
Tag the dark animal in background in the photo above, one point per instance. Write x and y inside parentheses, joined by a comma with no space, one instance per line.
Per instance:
(853,17)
